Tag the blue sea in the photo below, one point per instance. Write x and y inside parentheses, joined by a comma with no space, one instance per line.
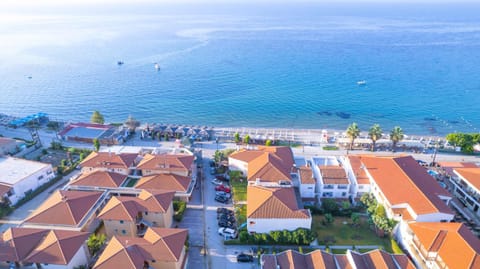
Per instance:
(264,65)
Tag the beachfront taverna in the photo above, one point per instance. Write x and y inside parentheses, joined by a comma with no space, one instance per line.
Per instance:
(20,177)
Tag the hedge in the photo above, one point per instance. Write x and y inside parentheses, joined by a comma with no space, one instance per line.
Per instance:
(298,237)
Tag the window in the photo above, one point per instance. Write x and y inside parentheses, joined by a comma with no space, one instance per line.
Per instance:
(121,222)
(146,213)
(252,222)
(124,232)
(326,187)
(310,188)
(327,194)
(360,187)
(342,187)
(40,177)
(344,194)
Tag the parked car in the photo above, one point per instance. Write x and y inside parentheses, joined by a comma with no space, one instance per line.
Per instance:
(221,210)
(243,257)
(224,194)
(227,233)
(221,199)
(227,224)
(226,214)
(229,218)
(222,188)
(216,182)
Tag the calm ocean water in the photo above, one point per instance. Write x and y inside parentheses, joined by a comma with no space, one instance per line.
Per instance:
(288,67)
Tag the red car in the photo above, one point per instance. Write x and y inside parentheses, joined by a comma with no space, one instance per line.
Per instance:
(222,188)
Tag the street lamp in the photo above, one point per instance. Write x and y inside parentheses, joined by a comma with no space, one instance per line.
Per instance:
(216,141)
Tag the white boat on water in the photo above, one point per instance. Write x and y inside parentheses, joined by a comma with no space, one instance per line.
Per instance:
(157,66)
(361,82)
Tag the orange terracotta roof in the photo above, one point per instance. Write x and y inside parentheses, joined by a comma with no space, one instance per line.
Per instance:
(457,165)
(267,163)
(166,162)
(403,212)
(343,262)
(319,259)
(109,160)
(449,240)
(17,243)
(246,155)
(64,208)
(306,175)
(268,168)
(472,175)
(278,203)
(58,247)
(127,207)
(169,182)
(357,167)
(159,244)
(100,179)
(4,189)
(333,174)
(402,180)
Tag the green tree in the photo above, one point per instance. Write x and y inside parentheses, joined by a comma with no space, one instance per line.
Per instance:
(396,135)
(375,133)
(380,211)
(96,144)
(353,132)
(95,242)
(243,236)
(237,137)
(131,123)
(82,156)
(218,157)
(329,205)
(165,137)
(97,118)
(328,219)
(246,139)
(355,219)
(268,143)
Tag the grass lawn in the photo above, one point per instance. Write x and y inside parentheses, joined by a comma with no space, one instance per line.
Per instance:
(339,233)
(239,190)
(130,182)
(241,214)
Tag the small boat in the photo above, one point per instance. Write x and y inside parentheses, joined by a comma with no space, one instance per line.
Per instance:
(157,66)
(361,82)
(120,63)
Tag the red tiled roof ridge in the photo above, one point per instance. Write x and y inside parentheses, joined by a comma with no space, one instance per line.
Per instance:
(413,183)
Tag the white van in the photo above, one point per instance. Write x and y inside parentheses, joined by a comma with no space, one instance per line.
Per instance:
(227,233)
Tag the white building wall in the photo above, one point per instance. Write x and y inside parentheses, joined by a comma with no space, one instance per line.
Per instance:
(435,217)
(31,182)
(237,165)
(268,225)
(80,258)
(307,190)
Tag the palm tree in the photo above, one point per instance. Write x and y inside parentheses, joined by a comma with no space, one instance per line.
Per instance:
(375,133)
(353,132)
(396,135)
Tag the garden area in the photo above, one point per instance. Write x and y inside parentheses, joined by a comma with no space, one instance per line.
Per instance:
(239,186)
(343,232)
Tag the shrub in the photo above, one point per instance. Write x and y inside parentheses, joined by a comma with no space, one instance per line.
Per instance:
(298,237)
(179,208)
